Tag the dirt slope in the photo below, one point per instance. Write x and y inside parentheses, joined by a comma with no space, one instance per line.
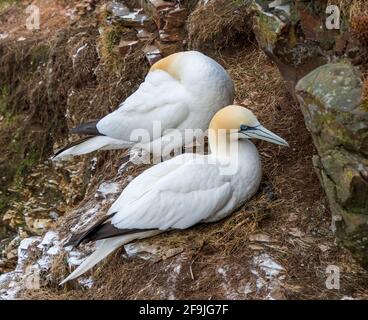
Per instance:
(277,246)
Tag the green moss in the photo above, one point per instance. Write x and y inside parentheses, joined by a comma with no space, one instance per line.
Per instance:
(356,242)
(29,161)
(364,105)
(4,203)
(6,3)
(4,93)
(269,28)
(111,38)
(39,55)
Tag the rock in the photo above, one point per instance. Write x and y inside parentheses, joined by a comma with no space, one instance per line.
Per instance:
(170,36)
(294,35)
(331,101)
(153,54)
(259,237)
(175,18)
(13,219)
(150,252)
(144,35)
(294,52)
(117,9)
(12,255)
(168,48)
(157,9)
(126,47)
(170,21)
(39,225)
(108,188)
(267,28)
(134,19)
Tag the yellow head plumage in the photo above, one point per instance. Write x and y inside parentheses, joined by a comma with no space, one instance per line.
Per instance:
(232,117)
(236,122)
(168,65)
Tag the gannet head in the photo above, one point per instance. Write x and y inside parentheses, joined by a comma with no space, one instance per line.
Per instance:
(238,123)
(200,74)
(169,65)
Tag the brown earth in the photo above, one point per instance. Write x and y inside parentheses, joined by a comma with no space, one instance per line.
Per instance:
(289,214)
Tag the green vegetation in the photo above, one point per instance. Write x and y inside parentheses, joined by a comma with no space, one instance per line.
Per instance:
(4,93)
(28,162)
(110,38)
(6,3)
(39,54)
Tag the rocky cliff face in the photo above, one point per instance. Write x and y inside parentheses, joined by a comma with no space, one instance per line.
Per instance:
(325,71)
(90,55)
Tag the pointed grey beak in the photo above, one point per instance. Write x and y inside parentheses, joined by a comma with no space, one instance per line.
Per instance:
(260,132)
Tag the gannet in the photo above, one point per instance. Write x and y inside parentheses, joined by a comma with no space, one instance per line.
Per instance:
(181,91)
(185,190)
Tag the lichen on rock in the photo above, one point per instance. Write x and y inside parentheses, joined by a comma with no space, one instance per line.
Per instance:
(331,101)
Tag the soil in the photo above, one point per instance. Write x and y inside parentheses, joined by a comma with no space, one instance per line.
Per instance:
(287,222)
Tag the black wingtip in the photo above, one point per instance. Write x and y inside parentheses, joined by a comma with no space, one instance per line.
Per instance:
(89,128)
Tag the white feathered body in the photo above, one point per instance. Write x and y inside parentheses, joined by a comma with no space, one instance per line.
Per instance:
(178,194)
(186,98)
(186,190)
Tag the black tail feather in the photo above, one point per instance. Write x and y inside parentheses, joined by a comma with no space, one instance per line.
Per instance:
(102,229)
(77,239)
(89,128)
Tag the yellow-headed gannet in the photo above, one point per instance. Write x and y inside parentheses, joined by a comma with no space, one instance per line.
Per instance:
(181,91)
(185,190)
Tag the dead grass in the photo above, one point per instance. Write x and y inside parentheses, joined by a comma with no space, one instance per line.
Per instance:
(350,8)
(290,198)
(219,24)
(359,31)
(290,206)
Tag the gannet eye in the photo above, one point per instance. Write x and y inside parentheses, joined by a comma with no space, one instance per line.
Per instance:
(243,127)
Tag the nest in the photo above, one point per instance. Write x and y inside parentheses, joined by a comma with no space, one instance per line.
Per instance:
(220,24)
(359,29)
(290,187)
(290,196)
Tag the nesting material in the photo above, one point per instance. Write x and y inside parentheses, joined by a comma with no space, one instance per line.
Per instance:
(218,24)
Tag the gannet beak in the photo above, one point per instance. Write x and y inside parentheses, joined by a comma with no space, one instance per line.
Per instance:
(260,132)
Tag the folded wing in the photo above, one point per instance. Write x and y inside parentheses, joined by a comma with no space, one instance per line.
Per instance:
(184,196)
(160,98)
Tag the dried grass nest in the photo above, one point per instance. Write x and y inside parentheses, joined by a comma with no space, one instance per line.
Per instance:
(219,24)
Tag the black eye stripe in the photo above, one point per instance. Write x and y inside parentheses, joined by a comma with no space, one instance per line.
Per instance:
(244,127)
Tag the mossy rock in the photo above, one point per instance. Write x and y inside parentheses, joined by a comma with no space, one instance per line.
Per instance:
(267,27)
(332,104)
(331,98)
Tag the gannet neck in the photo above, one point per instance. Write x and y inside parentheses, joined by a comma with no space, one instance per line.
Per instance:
(200,75)
(221,145)
(168,65)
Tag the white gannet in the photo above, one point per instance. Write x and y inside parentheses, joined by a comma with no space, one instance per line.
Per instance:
(185,190)
(182,91)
